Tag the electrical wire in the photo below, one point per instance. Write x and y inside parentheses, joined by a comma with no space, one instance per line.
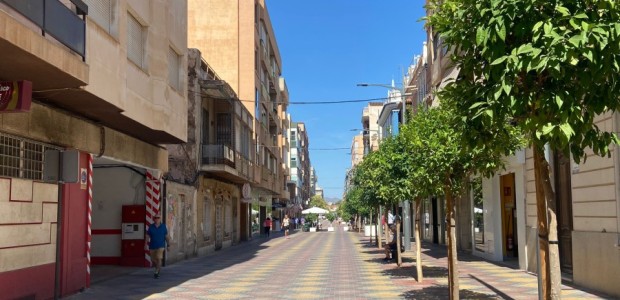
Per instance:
(328,149)
(302,102)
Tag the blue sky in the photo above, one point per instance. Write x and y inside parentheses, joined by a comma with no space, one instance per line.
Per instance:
(327,47)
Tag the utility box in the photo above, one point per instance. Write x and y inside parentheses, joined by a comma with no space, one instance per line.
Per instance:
(133,236)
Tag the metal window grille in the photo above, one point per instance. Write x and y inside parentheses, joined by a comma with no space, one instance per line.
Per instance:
(135,41)
(21,158)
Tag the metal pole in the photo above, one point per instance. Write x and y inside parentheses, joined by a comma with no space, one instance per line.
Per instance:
(540,283)
(57,291)
(406,203)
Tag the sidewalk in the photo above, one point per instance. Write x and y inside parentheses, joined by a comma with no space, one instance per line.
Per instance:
(478,278)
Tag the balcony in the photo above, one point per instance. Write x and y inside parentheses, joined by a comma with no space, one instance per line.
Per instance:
(225,162)
(218,155)
(45,41)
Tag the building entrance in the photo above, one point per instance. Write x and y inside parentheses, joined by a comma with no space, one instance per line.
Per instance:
(563,197)
(509,216)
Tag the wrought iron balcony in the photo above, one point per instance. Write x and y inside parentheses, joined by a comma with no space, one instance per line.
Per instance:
(218,155)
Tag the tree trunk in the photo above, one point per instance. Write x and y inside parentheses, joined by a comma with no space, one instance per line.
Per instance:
(377,231)
(547,228)
(453,271)
(399,261)
(370,226)
(418,239)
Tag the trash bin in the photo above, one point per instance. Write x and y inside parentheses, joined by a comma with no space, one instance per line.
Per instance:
(306,227)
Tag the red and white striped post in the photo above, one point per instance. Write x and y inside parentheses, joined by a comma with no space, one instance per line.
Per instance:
(153,184)
(89,220)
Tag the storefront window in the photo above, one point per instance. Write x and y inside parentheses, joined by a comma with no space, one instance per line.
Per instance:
(478,202)
(426,220)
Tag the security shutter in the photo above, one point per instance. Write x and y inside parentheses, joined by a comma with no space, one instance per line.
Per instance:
(100,11)
(135,41)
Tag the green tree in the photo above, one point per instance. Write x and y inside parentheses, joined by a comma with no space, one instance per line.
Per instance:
(444,166)
(331,216)
(549,67)
(318,201)
(368,179)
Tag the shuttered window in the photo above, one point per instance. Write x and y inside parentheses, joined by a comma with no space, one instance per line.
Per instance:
(100,11)
(173,69)
(136,36)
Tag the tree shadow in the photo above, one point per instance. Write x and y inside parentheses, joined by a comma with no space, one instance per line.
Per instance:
(441,292)
(411,272)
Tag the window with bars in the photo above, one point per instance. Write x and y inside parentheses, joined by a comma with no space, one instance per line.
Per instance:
(174,60)
(136,38)
(21,158)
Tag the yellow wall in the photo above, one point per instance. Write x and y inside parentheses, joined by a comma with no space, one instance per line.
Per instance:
(30,208)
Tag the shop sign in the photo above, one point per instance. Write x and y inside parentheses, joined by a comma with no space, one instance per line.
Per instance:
(15,96)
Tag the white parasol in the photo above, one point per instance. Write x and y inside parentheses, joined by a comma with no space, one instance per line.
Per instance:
(314,210)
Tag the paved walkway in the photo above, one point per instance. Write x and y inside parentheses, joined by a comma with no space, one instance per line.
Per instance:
(318,265)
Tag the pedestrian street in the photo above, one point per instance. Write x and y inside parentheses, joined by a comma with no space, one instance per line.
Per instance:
(318,265)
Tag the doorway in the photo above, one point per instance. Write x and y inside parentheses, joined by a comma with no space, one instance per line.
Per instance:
(219,222)
(509,216)
(435,220)
(563,196)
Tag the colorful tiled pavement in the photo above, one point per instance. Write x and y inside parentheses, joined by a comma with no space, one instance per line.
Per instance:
(318,265)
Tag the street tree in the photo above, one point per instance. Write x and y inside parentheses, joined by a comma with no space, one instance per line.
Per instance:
(393,167)
(445,165)
(351,206)
(318,201)
(368,178)
(549,67)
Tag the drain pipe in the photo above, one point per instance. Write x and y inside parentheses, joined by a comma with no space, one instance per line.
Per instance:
(58,229)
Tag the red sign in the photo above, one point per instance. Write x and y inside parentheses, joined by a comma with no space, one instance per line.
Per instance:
(15,96)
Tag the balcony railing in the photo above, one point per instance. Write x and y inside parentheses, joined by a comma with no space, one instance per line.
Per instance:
(244,167)
(218,155)
(57,20)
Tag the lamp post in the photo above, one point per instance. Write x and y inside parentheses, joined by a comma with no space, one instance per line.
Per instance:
(406,203)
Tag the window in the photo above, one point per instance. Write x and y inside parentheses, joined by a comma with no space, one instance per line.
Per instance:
(205,127)
(102,13)
(478,203)
(293,162)
(21,158)
(136,38)
(228,216)
(174,61)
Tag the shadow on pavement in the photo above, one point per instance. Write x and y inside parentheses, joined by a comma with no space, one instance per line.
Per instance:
(411,272)
(141,284)
(441,292)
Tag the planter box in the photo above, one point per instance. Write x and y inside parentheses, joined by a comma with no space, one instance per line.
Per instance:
(330,228)
(312,229)
(346,228)
(369,230)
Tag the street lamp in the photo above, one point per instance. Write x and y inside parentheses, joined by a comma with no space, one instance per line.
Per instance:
(406,203)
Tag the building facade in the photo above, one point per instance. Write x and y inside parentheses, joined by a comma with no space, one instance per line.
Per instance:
(215,163)
(239,41)
(108,96)
(370,127)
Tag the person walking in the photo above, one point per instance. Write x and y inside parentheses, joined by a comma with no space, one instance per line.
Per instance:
(157,238)
(267,225)
(286,223)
